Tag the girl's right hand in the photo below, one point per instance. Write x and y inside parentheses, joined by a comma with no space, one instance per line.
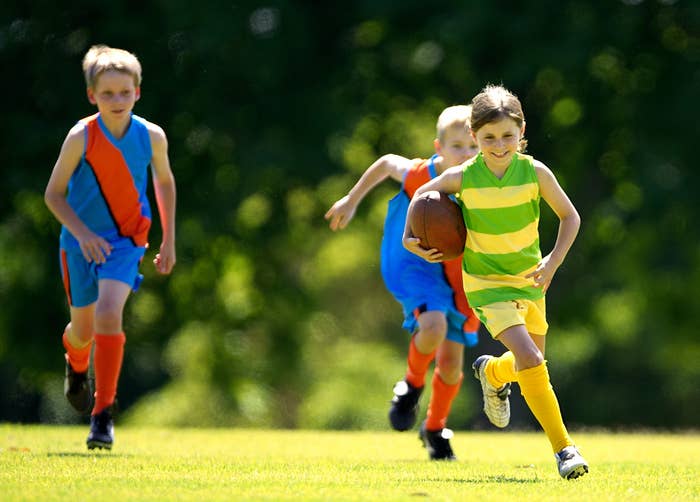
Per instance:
(413,245)
(94,247)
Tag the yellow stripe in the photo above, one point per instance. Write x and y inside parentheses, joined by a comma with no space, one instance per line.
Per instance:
(494,197)
(512,242)
(479,282)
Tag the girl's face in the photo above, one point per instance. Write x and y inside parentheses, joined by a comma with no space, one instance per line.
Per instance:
(456,147)
(114,94)
(498,142)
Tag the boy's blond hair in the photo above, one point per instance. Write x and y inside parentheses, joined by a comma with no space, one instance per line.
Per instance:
(101,58)
(459,115)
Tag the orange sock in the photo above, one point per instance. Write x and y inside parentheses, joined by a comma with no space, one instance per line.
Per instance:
(77,358)
(417,364)
(109,352)
(441,402)
(501,370)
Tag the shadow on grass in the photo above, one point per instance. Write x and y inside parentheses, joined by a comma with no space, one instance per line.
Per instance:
(88,454)
(490,479)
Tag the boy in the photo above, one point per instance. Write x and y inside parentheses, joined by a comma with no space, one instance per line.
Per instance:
(97,190)
(505,275)
(436,311)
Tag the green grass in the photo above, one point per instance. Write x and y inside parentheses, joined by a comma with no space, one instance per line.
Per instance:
(52,463)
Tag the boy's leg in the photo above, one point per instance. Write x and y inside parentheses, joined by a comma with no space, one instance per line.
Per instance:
(447,379)
(109,340)
(77,340)
(432,329)
(109,353)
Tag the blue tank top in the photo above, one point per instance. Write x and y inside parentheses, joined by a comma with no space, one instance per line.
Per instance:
(108,188)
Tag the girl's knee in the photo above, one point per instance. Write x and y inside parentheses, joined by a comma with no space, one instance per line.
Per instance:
(529,359)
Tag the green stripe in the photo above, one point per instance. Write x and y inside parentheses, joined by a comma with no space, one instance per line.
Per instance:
(488,296)
(502,220)
(502,264)
(481,177)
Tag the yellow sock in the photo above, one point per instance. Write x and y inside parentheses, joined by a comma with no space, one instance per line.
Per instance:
(501,370)
(539,395)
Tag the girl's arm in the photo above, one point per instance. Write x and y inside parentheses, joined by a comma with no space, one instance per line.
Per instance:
(93,247)
(569,223)
(387,166)
(449,182)
(164,188)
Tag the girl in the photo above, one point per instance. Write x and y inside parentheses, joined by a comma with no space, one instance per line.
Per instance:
(505,275)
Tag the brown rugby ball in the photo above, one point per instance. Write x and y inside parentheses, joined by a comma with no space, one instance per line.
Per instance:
(438,222)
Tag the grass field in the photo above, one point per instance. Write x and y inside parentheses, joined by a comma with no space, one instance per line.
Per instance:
(52,463)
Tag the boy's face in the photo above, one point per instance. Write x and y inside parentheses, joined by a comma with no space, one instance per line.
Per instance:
(114,94)
(457,145)
(498,142)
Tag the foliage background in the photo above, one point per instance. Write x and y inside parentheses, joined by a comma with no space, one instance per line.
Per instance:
(273,109)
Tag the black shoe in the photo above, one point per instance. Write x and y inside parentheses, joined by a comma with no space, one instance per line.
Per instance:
(404,406)
(437,443)
(76,388)
(101,430)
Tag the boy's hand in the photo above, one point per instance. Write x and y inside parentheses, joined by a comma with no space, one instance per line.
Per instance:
(165,260)
(340,213)
(413,245)
(94,248)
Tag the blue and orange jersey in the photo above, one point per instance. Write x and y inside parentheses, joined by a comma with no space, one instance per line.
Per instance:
(399,263)
(108,188)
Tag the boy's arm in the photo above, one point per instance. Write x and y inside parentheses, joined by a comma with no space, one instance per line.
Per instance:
(164,188)
(569,223)
(393,166)
(448,182)
(93,247)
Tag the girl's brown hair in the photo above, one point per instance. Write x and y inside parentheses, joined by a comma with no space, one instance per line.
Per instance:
(493,104)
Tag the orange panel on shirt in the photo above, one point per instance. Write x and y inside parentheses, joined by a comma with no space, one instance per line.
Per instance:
(116,184)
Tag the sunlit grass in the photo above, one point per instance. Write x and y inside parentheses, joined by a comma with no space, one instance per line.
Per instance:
(52,463)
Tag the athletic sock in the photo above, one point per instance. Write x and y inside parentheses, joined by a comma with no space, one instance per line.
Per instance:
(417,364)
(109,352)
(539,395)
(77,358)
(441,401)
(501,370)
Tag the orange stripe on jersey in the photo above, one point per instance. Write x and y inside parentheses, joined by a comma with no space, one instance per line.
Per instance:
(453,273)
(416,177)
(116,184)
(66,276)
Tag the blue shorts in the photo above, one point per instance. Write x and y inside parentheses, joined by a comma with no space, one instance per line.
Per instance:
(455,320)
(80,278)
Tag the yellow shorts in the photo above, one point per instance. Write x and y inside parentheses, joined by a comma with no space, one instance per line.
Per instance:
(497,317)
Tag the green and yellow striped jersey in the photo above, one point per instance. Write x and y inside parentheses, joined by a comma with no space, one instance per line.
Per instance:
(503,244)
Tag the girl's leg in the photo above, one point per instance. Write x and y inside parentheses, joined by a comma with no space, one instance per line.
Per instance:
(533,378)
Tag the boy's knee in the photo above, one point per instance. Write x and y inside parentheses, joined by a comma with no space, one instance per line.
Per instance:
(108,317)
(433,329)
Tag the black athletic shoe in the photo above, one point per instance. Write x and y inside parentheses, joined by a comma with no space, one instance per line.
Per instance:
(404,406)
(437,443)
(76,388)
(101,430)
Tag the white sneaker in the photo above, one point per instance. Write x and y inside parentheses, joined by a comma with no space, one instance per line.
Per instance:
(496,403)
(570,463)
